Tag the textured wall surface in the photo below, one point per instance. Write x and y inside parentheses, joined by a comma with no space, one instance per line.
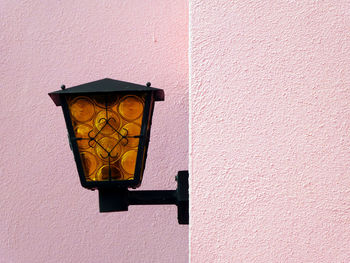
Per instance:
(270,131)
(46,216)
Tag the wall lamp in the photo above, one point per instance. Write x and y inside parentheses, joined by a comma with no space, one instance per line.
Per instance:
(109,124)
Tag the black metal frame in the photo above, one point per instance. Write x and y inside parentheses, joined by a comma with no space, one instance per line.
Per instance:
(116,200)
(141,156)
(109,87)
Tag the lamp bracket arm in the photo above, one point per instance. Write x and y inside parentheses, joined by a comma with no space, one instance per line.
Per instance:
(112,200)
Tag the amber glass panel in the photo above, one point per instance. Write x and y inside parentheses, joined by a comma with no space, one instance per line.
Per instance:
(89,162)
(107,131)
(131,131)
(108,147)
(103,173)
(128,162)
(82,109)
(130,108)
(82,131)
(107,122)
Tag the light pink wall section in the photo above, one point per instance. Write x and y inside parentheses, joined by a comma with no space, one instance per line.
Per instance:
(45,215)
(270,131)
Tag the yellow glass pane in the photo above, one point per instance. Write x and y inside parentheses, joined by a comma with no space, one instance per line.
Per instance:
(82,131)
(89,162)
(108,147)
(109,152)
(129,130)
(103,173)
(107,122)
(130,108)
(128,161)
(128,176)
(82,109)
(103,101)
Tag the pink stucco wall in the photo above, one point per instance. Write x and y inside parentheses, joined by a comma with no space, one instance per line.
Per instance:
(270,131)
(45,215)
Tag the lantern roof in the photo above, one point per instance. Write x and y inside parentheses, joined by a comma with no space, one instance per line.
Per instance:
(106,86)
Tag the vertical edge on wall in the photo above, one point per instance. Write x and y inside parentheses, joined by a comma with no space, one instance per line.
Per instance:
(189,127)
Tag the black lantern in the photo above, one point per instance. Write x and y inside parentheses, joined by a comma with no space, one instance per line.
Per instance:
(109,123)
